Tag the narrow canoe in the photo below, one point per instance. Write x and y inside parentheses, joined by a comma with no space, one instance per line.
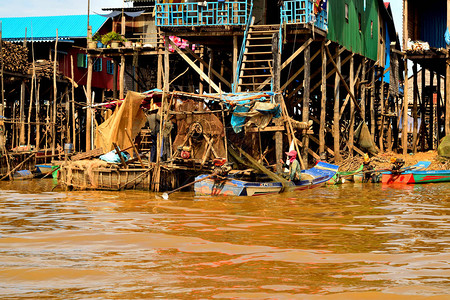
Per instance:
(341,177)
(421,165)
(412,177)
(230,186)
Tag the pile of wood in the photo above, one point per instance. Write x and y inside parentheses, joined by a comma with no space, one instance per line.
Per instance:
(44,68)
(15,57)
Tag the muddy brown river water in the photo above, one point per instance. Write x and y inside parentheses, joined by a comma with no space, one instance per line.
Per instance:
(339,242)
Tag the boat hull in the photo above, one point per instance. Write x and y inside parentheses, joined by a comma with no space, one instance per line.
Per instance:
(432,176)
(321,173)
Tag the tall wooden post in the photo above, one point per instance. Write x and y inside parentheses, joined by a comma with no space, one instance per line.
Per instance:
(159,72)
(431,116)
(352,107)
(55,96)
(336,129)
(115,76)
(38,118)
(74,138)
(306,100)
(22,114)
(382,111)
(89,98)
(235,58)
(200,84)
(372,103)
(276,85)
(405,87)
(447,81)
(438,108)
(2,87)
(415,116)
(422,111)
(323,101)
(122,77)
(166,65)
(363,91)
(405,112)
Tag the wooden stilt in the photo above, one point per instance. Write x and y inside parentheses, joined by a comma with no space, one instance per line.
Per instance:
(405,112)
(336,127)
(306,100)
(438,108)
(276,85)
(89,104)
(159,81)
(122,77)
(447,81)
(382,114)
(38,113)
(372,104)
(363,90)
(415,116)
(115,76)
(200,84)
(422,111)
(323,101)
(431,111)
(55,96)
(22,114)
(235,58)
(352,108)
(74,139)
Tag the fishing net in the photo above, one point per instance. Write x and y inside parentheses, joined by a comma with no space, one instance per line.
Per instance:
(128,116)
(364,139)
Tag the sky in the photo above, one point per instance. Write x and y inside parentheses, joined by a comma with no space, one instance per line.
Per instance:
(25,8)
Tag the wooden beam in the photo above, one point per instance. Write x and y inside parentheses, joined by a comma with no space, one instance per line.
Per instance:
(227,83)
(296,53)
(299,71)
(343,80)
(195,67)
(351,130)
(306,100)
(329,74)
(336,127)
(266,129)
(323,101)
(405,111)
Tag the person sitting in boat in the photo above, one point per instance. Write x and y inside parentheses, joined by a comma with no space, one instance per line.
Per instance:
(397,164)
(294,166)
(367,168)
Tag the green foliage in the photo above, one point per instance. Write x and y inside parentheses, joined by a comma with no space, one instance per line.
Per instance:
(97,37)
(111,36)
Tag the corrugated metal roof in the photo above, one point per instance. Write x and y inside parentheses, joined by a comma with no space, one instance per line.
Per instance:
(44,28)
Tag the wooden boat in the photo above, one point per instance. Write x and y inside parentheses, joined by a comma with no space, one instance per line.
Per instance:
(421,165)
(232,186)
(412,177)
(341,177)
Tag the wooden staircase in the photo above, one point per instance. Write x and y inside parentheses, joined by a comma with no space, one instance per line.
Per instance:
(257,64)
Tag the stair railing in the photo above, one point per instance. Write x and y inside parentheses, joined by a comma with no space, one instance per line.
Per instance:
(250,21)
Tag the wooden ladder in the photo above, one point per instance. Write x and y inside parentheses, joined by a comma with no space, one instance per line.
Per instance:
(257,63)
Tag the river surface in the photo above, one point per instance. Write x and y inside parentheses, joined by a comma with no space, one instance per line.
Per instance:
(340,242)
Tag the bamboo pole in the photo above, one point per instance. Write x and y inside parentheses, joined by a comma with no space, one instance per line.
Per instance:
(74,139)
(38,112)
(405,112)
(415,116)
(306,99)
(22,114)
(431,116)
(336,129)
(55,96)
(382,117)
(363,91)
(352,107)
(323,101)
(372,104)
(122,77)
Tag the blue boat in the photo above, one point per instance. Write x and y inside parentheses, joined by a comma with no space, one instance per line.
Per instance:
(232,186)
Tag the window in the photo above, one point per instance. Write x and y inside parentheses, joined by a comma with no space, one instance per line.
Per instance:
(346,12)
(97,65)
(109,67)
(81,60)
